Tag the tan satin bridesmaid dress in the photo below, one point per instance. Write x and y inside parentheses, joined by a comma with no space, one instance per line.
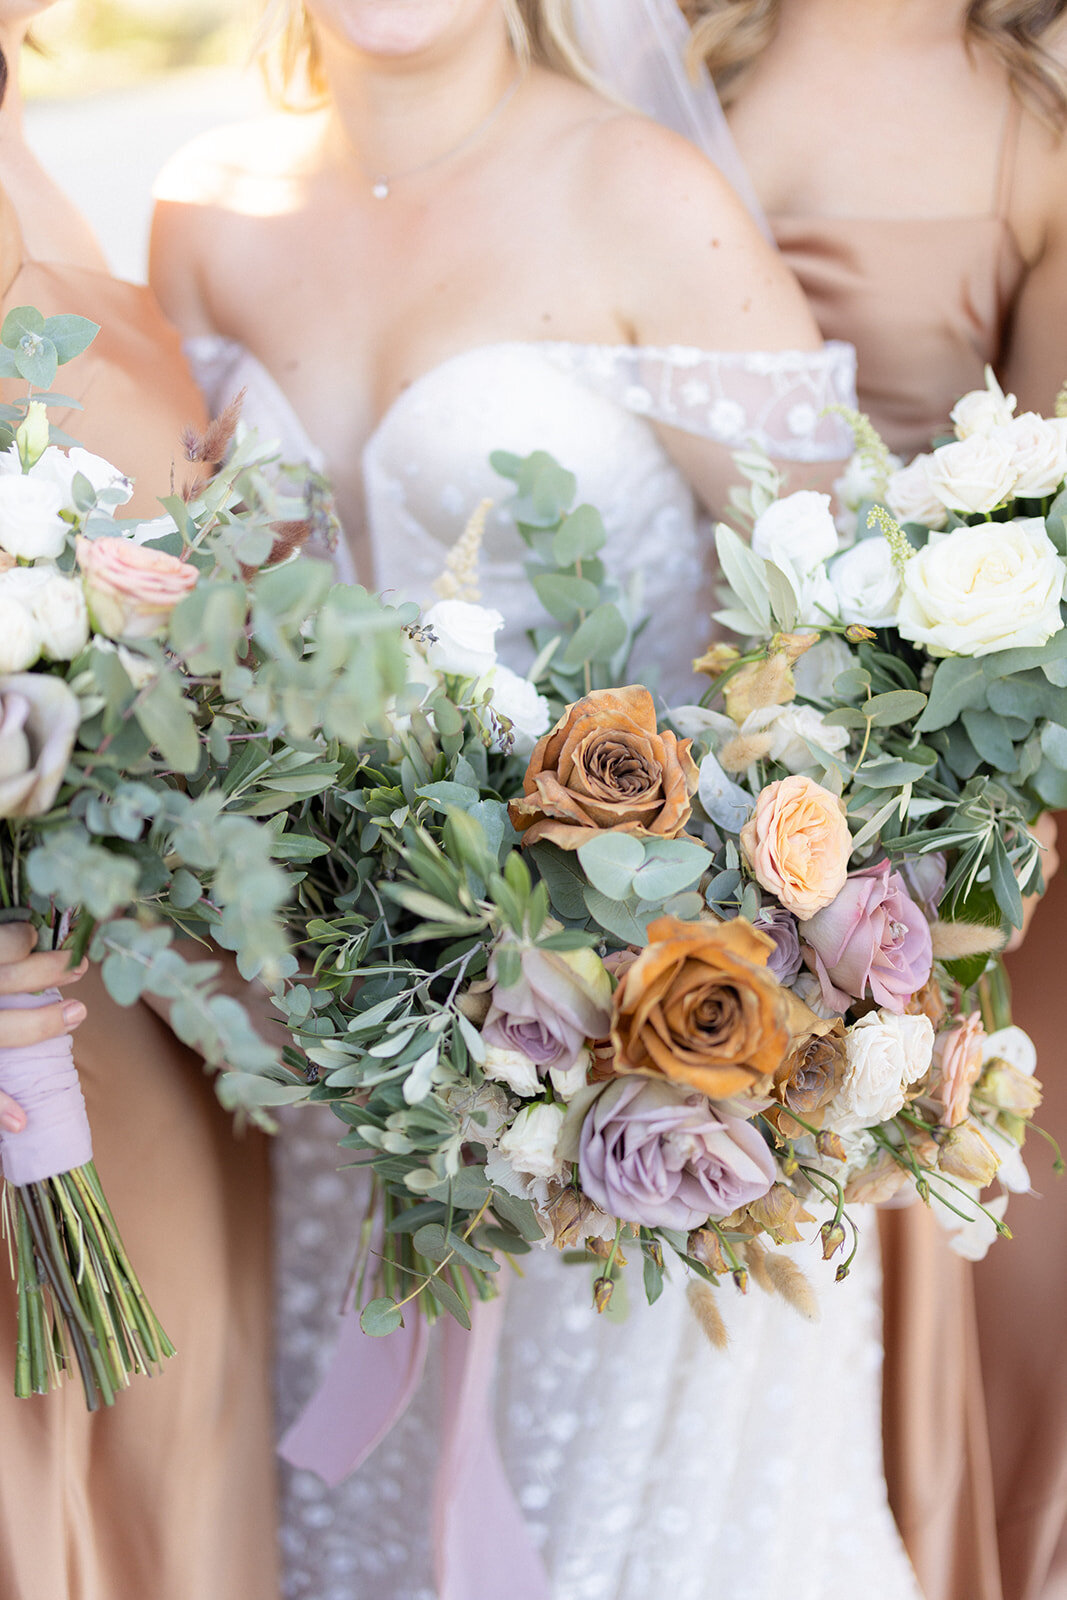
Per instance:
(927,302)
(169,1495)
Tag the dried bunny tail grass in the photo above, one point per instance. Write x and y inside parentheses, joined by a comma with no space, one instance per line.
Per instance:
(211,446)
(459,580)
(704,1305)
(788,1281)
(954,940)
(756,1258)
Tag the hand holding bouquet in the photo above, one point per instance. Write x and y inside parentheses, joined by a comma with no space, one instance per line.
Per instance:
(162,685)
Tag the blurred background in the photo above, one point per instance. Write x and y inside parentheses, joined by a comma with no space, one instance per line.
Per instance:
(116,86)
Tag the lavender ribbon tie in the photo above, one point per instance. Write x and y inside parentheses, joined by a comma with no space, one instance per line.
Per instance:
(43,1079)
(482,1547)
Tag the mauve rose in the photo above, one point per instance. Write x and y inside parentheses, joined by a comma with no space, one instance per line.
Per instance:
(562,998)
(653,1154)
(785,959)
(925,877)
(873,939)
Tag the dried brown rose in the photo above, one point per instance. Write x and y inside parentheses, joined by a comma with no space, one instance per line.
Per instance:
(605,767)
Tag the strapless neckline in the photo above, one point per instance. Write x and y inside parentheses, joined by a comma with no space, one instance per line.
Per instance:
(833,355)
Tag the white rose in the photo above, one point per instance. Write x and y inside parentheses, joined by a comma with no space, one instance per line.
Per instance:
(56,604)
(464,644)
(60,612)
(20,637)
(30,525)
(818,599)
(1038,448)
(567,1081)
(969,1238)
(530,1143)
(799,528)
(861,480)
(527,711)
(884,1053)
(102,475)
(974,475)
(60,467)
(993,587)
(910,495)
(1014,1046)
(514,1068)
(814,674)
(867,583)
(790,727)
(983,409)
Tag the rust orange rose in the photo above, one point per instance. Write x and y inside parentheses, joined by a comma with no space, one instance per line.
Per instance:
(605,767)
(699,1007)
(798,844)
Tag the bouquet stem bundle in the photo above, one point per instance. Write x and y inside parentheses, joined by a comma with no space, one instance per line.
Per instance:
(79,1300)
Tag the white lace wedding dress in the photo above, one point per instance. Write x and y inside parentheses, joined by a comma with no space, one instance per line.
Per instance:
(646,1463)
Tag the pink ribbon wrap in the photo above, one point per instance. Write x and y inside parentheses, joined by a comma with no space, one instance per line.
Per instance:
(482,1547)
(43,1079)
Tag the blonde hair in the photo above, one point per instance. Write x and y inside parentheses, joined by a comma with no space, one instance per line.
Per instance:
(730,35)
(541,31)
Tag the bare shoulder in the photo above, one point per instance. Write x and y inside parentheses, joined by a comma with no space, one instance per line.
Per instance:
(636,165)
(692,266)
(226,167)
(204,198)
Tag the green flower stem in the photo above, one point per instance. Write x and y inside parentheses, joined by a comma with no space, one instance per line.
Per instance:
(77,1328)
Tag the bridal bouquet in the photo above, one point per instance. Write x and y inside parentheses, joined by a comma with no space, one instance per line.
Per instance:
(687,984)
(167,691)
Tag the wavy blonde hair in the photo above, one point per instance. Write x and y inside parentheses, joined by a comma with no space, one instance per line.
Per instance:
(541,31)
(730,35)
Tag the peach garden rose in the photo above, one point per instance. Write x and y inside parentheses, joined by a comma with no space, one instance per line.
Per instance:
(131,589)
(797,843)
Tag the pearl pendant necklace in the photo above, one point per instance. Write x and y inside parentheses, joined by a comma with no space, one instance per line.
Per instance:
(382,187)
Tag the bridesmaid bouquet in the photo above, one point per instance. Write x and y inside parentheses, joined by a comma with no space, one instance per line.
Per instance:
(167,691)
(683,984)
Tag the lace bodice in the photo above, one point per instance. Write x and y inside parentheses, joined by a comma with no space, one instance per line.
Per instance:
(426,466)
(645,1463)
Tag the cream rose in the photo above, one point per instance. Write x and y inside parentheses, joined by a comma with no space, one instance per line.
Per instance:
(910,495)
(866,581)
(514,1068)
(57,606)
(799,528)
(982,410)
(465,637)
(885,1053)
(60,467)
(39,719)
(797,843)
(974,475)
(130,589)
(993,587)
(20,637)
(31,527)
(531,1143)
(1038,448)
